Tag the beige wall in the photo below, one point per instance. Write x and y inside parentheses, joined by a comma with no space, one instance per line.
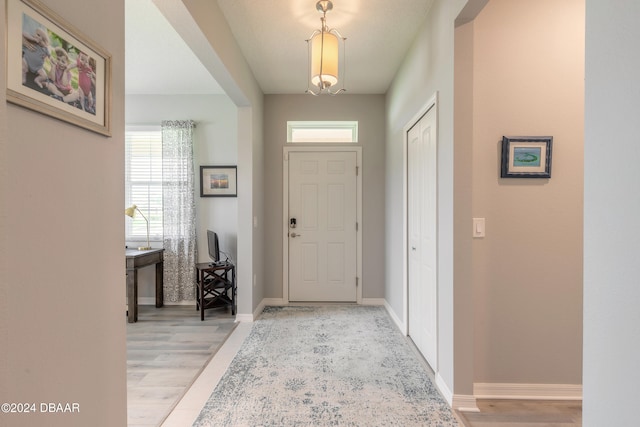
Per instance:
(62,301)
(528,75)
(368,110)
(462,189)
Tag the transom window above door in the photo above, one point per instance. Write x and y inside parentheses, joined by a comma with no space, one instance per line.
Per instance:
(322,132)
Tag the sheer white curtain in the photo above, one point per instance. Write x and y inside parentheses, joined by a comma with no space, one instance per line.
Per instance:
(179,212)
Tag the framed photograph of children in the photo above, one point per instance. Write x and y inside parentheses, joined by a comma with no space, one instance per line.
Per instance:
(54,69)
(218,181)
(526,157)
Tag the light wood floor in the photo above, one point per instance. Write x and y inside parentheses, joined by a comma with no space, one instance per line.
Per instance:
(521,413)
(166,350)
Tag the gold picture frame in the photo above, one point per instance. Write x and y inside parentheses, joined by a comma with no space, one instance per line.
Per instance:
(54,69)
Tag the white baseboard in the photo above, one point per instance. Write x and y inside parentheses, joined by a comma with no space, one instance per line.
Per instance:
(465,403)
(244,318)
(258,311)
(373,301)
(527,391)
(399,323)
(278,302)
(444,389)
(461,402)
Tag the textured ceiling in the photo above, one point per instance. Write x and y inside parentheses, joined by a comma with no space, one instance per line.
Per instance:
(272,34)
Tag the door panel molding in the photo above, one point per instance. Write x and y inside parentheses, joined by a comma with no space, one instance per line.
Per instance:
(285,211)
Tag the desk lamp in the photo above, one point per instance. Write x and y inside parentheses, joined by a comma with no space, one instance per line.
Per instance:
(130,212)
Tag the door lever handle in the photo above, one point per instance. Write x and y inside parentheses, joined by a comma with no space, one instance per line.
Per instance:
(295,235)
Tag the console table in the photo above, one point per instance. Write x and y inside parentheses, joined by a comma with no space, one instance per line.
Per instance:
(136,259)
(215,286)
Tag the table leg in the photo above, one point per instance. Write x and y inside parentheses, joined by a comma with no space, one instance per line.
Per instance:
(159,284)
(234,308)
(202,297)
(132,295)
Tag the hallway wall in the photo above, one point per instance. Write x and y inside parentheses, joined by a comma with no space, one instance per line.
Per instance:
(518,67)
(62,275)
(368,110)
(427,70)
(611,231)
(202,25)
(528,76)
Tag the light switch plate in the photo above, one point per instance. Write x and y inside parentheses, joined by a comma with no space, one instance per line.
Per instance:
(478,227)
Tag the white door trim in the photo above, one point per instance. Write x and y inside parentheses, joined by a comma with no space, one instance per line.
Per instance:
(431,103)
(285,211)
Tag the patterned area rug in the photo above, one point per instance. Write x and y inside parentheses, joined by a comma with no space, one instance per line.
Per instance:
(325,366)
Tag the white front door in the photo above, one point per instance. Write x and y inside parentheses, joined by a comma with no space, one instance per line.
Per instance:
(322,232)
(422,226)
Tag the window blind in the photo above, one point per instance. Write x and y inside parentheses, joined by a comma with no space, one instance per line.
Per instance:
(143,183)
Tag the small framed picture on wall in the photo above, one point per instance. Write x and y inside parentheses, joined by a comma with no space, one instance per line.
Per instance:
(218,181)
(526,157)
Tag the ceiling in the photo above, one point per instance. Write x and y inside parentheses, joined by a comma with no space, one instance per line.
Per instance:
(157,60)
(271,35)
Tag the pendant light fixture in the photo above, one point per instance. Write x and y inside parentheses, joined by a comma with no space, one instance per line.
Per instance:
(324,52)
